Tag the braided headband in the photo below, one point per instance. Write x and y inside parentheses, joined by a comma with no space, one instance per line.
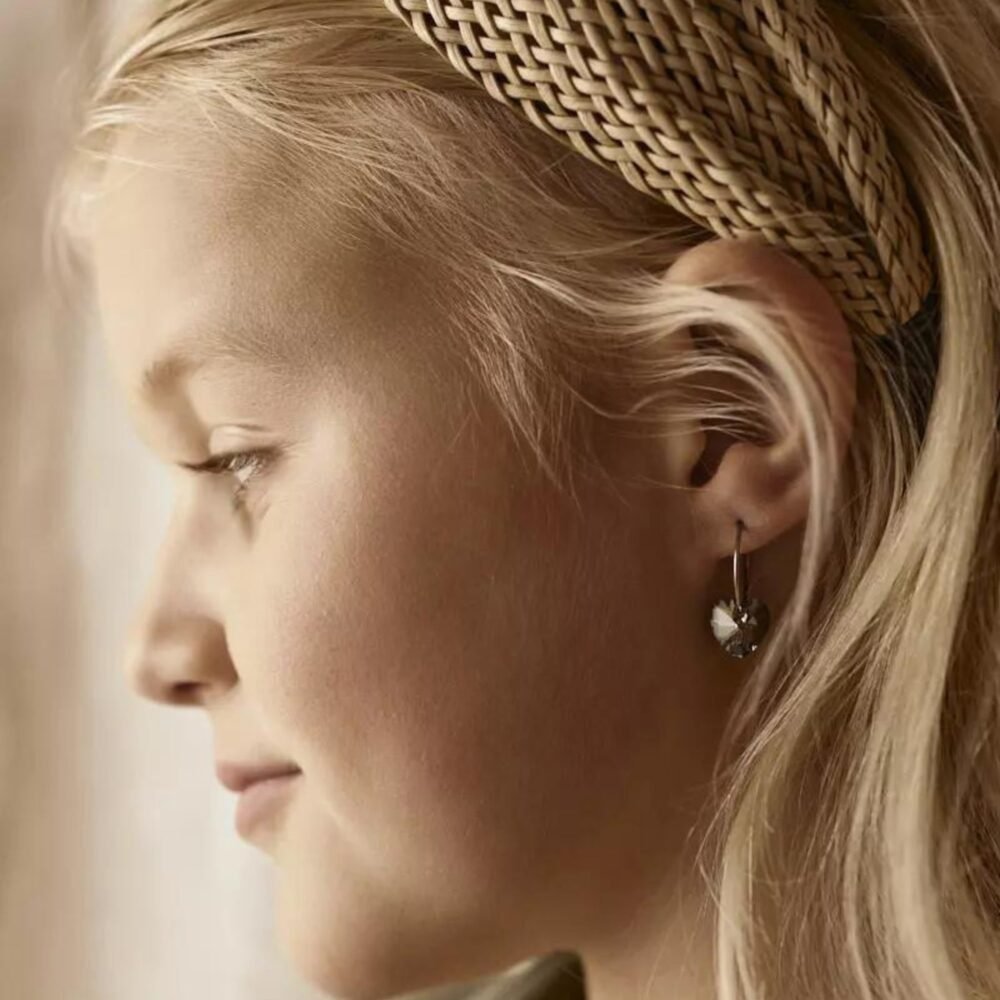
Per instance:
(744,115)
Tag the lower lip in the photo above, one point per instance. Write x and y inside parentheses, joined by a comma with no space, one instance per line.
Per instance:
(261,799)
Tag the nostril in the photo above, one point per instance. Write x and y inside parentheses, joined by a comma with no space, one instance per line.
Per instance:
(186,693)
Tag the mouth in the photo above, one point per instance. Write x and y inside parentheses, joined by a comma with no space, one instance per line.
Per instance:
(263,799)
(237,777)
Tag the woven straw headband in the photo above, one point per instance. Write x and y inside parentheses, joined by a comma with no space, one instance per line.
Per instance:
(744,115)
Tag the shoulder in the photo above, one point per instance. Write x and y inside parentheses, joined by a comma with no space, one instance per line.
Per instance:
(557,976)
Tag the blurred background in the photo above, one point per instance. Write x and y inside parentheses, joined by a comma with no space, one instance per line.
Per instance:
(121,875)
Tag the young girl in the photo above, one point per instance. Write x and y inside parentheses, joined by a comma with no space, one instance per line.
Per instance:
(584,421)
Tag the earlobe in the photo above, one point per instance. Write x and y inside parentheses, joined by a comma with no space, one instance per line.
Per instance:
(766,485)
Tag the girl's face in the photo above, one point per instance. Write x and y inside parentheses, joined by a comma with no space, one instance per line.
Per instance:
(503,705)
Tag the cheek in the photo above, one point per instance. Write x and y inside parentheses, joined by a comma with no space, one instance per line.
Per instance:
(406,626)
(437,644)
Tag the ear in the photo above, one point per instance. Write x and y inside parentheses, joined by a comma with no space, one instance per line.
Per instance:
(766,486)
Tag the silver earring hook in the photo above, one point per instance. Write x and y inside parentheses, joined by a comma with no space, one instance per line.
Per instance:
(739,569)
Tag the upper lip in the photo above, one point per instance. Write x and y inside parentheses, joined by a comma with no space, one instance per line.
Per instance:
(237,777)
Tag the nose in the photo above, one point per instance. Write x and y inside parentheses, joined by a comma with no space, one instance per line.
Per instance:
(176,650)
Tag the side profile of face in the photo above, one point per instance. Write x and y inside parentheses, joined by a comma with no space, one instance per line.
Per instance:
(504,706)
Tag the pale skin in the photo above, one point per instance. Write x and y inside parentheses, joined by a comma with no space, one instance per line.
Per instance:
(505,710)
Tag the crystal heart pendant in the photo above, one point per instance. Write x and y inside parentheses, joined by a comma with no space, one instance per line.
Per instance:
(739,629)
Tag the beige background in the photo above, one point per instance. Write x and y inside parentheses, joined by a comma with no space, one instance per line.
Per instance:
(120,873)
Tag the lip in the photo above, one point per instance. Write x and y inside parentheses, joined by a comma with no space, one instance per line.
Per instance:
(262,799)
(237,777)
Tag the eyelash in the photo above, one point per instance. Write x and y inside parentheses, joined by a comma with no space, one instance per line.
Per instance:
(230,463)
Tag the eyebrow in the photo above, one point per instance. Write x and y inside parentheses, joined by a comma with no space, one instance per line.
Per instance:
(162,376)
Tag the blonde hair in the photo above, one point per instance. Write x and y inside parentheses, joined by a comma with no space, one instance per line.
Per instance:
(856,852)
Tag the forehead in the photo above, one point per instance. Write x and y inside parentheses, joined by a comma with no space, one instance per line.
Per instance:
(197,243)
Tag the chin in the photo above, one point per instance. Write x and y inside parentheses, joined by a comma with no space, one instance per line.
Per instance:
(373,973)
(371,952)
(355,927)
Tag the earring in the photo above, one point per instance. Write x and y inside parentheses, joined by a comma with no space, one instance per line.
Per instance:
(740,624)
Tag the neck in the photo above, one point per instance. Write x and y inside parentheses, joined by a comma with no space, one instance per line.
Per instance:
(665,953)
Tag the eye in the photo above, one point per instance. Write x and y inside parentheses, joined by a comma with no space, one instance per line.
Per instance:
(243,466)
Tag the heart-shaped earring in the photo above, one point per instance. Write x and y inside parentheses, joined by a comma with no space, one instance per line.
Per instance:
(741,623)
